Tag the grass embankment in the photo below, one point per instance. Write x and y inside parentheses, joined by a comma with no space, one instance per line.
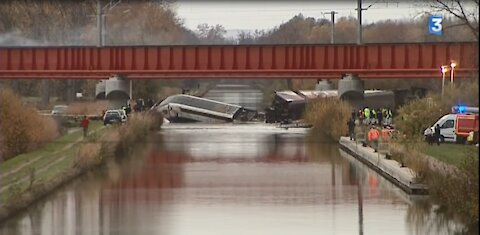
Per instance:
(33,175)
(454,154)
(454,185)
(40,164)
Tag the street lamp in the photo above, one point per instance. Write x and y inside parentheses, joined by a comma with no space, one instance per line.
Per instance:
(452,65)
(444,69)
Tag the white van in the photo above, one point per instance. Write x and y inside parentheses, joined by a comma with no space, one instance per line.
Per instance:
(447,128)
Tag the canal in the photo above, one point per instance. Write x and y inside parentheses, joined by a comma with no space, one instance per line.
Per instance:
(230,179)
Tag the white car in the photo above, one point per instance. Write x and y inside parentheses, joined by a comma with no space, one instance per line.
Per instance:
(122,114)
(59,110)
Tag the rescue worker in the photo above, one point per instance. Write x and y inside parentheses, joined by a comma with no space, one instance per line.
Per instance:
(386,134)
(380,117)
(366,112)
(437,134)
(429,136)
(373,115)
(390,116)
(351,128)
(373,135)
(84,123)
(360,116)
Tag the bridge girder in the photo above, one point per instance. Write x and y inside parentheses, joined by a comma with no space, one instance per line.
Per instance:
(304,61)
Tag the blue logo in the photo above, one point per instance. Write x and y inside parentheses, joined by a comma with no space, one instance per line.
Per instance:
(435,25)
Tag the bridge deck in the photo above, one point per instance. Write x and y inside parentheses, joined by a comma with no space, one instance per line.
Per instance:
(308,61)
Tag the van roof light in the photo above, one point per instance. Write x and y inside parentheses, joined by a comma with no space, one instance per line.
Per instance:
(464,109)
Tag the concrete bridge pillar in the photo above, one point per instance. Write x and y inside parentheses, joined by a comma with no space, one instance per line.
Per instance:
(45,92)
(350,87)
(116,90)
(100,90)
(324,85)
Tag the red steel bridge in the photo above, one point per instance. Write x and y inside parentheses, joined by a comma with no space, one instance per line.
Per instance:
(301,61)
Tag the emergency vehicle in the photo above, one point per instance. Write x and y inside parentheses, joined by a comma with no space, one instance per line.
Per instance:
(456,127)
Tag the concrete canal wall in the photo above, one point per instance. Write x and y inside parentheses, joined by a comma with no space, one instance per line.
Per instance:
(403,177)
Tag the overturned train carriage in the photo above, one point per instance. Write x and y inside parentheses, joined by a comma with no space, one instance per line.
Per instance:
(290,105)
(186,108)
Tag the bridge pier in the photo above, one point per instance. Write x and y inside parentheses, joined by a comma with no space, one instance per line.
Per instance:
(45,92)
(324,85)
(70,91)
(350,88)
(116,90)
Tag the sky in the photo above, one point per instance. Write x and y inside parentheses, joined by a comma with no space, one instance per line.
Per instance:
(264,15)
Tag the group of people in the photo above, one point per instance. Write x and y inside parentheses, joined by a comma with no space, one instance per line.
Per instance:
(373,116)
(141,105)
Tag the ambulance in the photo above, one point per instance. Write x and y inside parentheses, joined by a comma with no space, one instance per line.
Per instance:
(457,126)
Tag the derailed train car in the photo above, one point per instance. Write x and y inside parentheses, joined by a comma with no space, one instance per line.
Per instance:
(186,108)
(290,105)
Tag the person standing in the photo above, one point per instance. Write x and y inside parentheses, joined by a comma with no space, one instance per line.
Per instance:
(84,123)
(366,113)
(380,117)
(373,115)
(351,128)
(437,134)
(373,135)
(360,116)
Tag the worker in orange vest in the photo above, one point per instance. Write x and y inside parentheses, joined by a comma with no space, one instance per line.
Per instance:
(385,134)
(373,136)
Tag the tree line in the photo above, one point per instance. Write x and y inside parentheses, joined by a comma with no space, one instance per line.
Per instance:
(155,22)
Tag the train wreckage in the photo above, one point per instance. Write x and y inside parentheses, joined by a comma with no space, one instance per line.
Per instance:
(287,106)
(187,108)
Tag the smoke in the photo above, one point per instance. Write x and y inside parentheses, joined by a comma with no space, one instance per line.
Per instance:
(16,39)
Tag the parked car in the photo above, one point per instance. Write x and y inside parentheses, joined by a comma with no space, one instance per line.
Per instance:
(112,117)
(59,110)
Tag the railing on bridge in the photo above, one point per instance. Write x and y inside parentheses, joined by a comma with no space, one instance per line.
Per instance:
(314,61)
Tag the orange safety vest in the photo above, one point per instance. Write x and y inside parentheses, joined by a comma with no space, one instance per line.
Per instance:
(373,134)
(385,134)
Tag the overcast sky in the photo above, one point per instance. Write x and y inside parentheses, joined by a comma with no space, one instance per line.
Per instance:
(250,15)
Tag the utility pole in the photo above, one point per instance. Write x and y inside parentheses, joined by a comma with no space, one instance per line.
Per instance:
(99,23)
(332,34)
(359,22)
(359,19)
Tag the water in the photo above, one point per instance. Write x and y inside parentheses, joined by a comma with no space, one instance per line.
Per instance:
(231,179)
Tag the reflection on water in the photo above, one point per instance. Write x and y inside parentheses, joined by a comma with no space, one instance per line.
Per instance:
(230,179)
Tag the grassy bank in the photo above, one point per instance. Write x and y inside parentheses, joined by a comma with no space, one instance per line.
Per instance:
(18,172)
(34,175)
(453,184)
(454,154)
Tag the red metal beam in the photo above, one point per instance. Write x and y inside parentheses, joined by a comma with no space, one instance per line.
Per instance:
(410,60)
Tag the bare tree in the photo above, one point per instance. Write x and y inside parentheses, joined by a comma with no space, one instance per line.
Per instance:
(465,11)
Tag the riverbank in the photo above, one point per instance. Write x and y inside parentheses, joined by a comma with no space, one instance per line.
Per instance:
(395,172)
(34,175)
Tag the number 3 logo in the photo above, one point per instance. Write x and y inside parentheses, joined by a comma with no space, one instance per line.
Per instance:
(435,25)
